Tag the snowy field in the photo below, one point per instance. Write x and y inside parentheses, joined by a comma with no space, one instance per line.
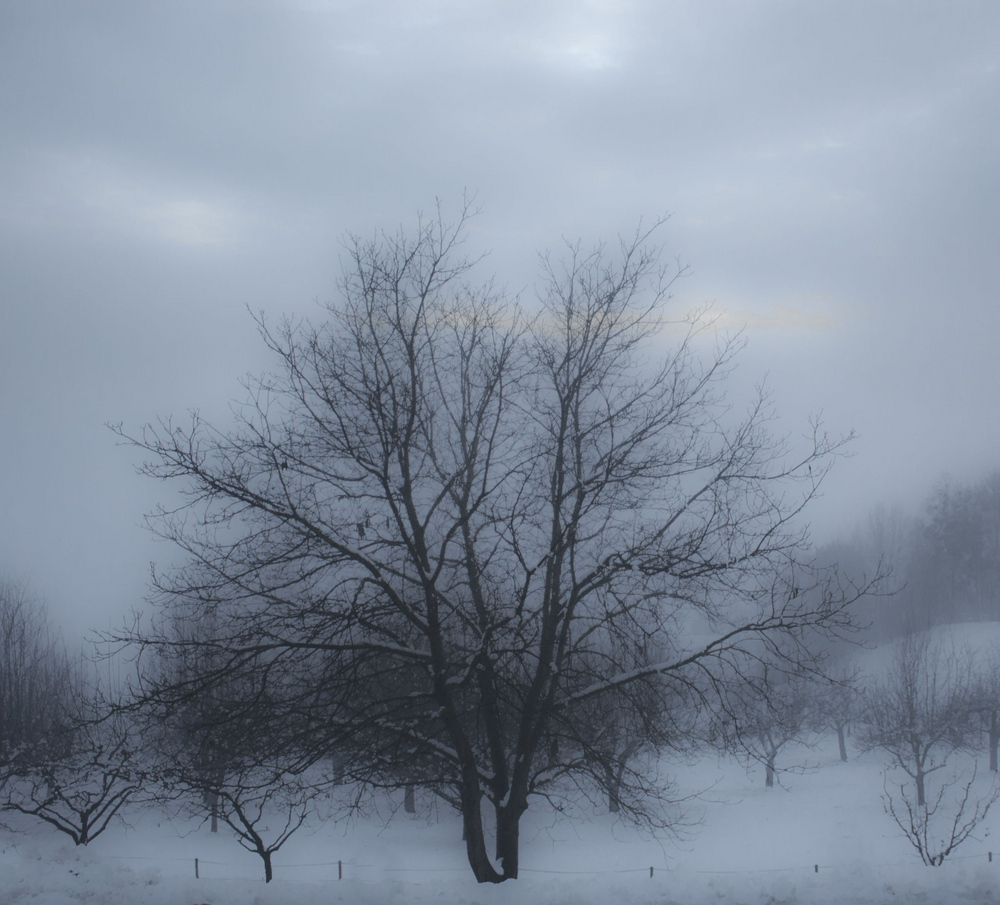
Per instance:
(752,845)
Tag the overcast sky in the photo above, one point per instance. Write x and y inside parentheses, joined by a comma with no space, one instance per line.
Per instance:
(832,171)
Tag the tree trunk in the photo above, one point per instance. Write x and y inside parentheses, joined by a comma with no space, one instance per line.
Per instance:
(409,801)
(842,742)
(475,839)
(919,778)
(994,739)
(613,785)
(508,840)
(769,778)
(268,873)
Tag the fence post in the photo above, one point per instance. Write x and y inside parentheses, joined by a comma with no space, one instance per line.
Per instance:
(196,869)
(340,870)
(991,856)
(650,873)
(816,868)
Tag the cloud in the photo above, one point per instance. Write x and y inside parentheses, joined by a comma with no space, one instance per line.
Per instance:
(174,213)
(117,197)
(188,222)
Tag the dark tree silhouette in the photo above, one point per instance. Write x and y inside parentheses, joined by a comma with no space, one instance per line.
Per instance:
(79,780)
(434,532)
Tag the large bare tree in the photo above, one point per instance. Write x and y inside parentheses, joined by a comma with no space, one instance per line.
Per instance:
(450,529)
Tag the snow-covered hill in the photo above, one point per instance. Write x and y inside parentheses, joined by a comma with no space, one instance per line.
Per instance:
(978,641)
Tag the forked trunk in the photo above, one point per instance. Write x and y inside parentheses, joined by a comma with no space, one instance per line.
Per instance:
(508,838)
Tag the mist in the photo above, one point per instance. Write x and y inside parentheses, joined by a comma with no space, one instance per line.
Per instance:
(827,171)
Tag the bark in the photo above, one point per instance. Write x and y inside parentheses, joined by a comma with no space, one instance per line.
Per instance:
(268,872)
(613,784)
(508,838)
(770,755)
(475,839)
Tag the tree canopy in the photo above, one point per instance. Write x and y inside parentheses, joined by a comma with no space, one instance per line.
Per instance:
(452,534)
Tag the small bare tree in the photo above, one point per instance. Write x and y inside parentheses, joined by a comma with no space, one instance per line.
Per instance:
(837,704)
(211,750)
(82,777)
(985,699)
(611,746)
(919,713)
(918,710)
(258,801)
(772,710)
(937,828)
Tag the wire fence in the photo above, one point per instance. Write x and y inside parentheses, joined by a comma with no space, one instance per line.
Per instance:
(347,869)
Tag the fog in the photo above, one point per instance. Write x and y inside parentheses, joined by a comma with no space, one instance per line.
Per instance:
(829,168)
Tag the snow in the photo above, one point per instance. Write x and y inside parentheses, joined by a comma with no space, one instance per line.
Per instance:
(975,642)
(751,846)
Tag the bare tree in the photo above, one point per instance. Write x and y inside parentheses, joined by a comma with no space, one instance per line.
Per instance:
(253,802)
(937,828)
(256,799)
(775,708)
(79,780)
(434,530)
(918,711)
(609,746)
(840,707)
(985,698)
(836,701)
(212,750)
(204,734)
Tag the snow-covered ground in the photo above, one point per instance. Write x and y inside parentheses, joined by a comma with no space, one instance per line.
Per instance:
(753,845)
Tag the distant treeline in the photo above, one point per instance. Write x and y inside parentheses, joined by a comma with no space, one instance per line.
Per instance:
(944,561)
